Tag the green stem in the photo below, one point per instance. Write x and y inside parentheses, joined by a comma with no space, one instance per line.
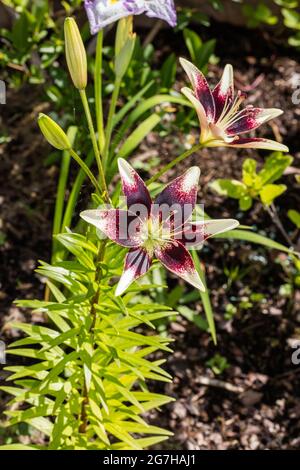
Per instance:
(174,162)
(109,125)
(94,142)
(75,194)
(60,195)
(93,316)
(60,252)
(86,169)
(61,188)
(98,91)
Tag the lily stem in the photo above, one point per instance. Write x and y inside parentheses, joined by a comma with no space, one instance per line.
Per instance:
(60,195)
(109,124)
(94,302)
(86,170)
(98,91)
(174,162)
(95,144)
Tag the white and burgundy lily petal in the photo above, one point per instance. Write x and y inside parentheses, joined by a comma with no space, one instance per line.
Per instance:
(137,263)
(115,224)
(220,120)
(256,142)
(175,257)
(204,124)
(223,93)
(201,88)
(195,233)
(251,118)
(181,193)
(101,13)
(134,188)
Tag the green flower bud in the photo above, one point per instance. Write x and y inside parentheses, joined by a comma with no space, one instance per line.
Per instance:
(124,46)
(124,30)
(53,133)
(75,54)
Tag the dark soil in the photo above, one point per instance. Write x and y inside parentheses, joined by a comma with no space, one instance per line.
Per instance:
(254,403)
(27,190)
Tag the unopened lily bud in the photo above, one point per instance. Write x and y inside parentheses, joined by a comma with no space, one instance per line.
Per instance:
(125,41)
(53,133)
(124,30)
(75,54)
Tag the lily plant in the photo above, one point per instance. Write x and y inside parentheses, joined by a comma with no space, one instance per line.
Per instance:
(221,121)
(161,228)
(86,384)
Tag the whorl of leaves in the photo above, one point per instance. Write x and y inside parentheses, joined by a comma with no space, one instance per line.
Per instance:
(85,384)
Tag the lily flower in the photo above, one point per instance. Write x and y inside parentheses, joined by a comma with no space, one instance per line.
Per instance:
(104,12)
(220,120)
(158,229)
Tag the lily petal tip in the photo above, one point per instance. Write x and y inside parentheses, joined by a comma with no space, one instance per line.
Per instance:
(125,280)
(228,72)
(186,65)
(119,291)
(193,174)
(194,280)
(126,171)
(276,112)
(122,164)
(85,215)
(233,223)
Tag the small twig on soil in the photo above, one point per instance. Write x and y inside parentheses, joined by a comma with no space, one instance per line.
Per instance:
(274,216)
(253,326)
(285,374)
(276,131)
(220,384)
(153,32)
(251,86)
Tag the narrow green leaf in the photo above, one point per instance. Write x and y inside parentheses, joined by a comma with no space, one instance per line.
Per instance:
(122,435)
(17,447)
(256,238)
(294,216)
(136,137)
(143,443)
(205,298)
(130,104)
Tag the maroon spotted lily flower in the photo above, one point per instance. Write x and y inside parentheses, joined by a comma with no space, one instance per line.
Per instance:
(158,229)
(220,120)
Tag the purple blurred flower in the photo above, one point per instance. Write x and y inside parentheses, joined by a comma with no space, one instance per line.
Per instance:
(103,12)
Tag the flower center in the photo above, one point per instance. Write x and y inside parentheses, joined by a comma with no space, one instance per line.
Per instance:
(154,233)
(230,112)
(216,132)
